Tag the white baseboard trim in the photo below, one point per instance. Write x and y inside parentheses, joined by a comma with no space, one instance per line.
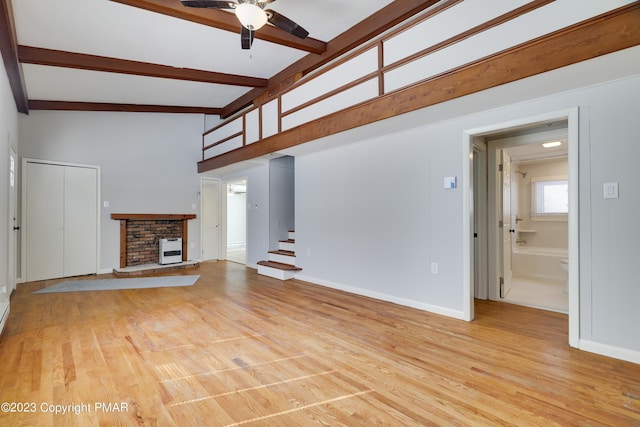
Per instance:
(610,351)
(384,297)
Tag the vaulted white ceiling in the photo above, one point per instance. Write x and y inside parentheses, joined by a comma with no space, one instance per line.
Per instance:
(115,30)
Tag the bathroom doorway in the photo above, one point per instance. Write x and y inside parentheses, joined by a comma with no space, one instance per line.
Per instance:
(236,228)
(483,214)
(535,203)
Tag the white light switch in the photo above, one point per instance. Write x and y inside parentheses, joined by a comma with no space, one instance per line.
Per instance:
(105,204)
(610,190)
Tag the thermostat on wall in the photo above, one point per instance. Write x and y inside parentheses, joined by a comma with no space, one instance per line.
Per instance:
(450,182)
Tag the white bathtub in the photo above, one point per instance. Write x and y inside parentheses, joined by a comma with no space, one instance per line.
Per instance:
(538,263)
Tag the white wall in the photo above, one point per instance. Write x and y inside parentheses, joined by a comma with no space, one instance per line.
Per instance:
(611,257)
(148,163)
(8,137)
(371,216)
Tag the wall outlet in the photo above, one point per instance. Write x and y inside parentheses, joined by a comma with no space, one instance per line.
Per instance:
(434,268)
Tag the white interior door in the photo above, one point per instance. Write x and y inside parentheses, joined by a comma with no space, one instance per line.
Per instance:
(505,178)
(44,226)
(210,219)
(80,221)
(13,221)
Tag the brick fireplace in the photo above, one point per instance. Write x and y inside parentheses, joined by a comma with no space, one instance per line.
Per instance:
(140,233)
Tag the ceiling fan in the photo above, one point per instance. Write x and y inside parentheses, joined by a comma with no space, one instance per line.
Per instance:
(253,16)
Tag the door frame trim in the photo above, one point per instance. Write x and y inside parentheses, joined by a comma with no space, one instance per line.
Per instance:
(23,206)
(571,115)
(479,214)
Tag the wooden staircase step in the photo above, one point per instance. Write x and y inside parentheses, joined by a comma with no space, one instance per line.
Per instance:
(279,265)
(283,252)
(286,245)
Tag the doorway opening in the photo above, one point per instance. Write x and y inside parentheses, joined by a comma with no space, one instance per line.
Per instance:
(497,234)
(236,224)
(533,208)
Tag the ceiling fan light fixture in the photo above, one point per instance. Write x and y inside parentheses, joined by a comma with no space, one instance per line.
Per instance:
(251,16)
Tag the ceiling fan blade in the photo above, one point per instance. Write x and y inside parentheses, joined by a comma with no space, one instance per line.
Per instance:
(209,4)
(286,24)
(246,38)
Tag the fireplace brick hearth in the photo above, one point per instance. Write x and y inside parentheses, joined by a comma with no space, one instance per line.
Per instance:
(143,237)
(140,233)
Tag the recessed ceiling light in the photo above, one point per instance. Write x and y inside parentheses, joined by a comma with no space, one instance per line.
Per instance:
(551,144)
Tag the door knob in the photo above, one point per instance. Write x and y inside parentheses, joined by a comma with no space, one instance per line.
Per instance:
(16,228)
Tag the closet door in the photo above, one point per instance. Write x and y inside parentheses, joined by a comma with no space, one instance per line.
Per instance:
(61,221)
(80,221)
(44,226)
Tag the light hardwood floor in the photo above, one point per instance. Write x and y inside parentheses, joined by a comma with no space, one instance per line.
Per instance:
(241,349)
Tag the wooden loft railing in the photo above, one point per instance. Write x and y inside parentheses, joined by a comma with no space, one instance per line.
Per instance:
(371,83)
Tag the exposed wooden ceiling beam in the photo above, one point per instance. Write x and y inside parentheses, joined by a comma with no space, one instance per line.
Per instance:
(8,49)
(58,58)
(130,108)
(381,21)
(225,21)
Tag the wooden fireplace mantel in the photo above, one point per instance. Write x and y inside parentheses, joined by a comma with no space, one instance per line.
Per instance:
(124,217)
(153,217)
